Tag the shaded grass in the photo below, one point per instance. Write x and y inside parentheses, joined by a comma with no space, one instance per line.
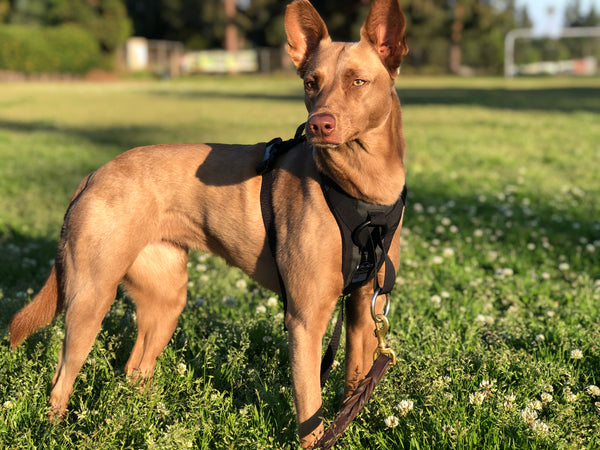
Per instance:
(497,287)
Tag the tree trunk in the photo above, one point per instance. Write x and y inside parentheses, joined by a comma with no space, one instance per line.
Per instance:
(231,34)
(457,29)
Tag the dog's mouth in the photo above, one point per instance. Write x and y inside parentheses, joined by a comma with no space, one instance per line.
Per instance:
(322,143)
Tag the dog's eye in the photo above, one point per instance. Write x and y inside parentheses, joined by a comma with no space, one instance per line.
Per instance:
(310,85)
(359,82)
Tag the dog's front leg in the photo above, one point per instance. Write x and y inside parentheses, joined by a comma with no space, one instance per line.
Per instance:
(360,336)
(307,323)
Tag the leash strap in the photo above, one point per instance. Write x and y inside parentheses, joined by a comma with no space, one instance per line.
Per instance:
(354,404)
(332,348)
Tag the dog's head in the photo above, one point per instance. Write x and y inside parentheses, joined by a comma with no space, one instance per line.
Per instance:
(349,87)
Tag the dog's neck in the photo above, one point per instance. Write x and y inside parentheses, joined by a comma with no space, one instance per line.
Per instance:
(370,167)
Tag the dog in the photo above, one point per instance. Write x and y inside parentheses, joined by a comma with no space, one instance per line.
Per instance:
(133,221)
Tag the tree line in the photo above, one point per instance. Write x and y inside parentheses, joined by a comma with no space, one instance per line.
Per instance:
(443,35)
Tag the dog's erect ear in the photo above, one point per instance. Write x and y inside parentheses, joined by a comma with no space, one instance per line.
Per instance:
(305,31)
(385,30)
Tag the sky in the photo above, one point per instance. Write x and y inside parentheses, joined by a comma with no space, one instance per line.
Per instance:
(542,22)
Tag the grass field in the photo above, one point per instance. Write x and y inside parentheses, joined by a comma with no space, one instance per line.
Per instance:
(496,313)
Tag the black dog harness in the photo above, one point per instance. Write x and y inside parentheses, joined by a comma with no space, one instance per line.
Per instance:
(366,228)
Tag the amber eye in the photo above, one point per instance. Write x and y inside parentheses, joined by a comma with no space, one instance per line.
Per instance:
(359,82)
(310,84)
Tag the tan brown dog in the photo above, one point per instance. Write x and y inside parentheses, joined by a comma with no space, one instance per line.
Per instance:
(133,221)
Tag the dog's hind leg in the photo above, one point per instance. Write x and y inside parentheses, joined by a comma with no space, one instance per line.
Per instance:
(83,318)
(157,283)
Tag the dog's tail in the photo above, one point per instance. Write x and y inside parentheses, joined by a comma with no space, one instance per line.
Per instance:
(39,312)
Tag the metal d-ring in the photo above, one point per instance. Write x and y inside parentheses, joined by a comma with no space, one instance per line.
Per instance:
(386,305)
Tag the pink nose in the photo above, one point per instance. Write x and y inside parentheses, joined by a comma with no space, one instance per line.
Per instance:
(321,125)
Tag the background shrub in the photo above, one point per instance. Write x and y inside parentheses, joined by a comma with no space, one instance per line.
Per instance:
(60,49)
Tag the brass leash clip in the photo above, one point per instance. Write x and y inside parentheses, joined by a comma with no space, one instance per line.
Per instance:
(380,332)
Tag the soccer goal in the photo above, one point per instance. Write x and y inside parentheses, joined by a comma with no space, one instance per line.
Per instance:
(574,51)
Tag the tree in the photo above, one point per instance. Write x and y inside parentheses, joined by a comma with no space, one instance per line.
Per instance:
(4,10)
(107,20)
(28,12)
(575,17)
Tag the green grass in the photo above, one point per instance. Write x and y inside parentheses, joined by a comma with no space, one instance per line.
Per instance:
(498,292)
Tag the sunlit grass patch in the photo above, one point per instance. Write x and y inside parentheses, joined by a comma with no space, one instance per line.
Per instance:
(495,316)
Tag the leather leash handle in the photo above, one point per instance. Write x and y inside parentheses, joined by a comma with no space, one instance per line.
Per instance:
(354,403)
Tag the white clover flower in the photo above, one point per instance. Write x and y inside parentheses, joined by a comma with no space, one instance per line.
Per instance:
(569,396)
(485,320)
(563,266)
(487,384)
(162,410)
(548,388)
(540,427)
(241,284)
(261,309)
(531,246)
(437,260)
(576,354)
(436,300)
(476,399)
(448,252)
(509,401)
(8,404)
(540,338)
(593,390)
(405,406)
(534,405)
(181,368)
(545,276)
(267,339)
(529,415)
(272,302)
(445,221)
(391,421)
(478,233)
(546,397)
(201,267)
